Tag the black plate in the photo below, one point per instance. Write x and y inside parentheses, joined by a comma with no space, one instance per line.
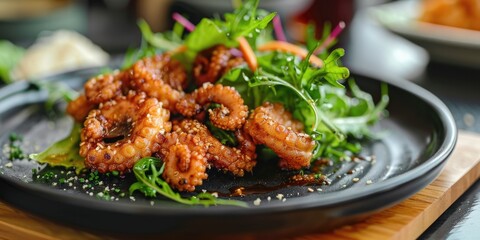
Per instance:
(418,137)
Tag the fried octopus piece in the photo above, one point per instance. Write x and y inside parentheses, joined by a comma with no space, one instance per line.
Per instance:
(79,108)
(270,125)
(104,87)
(211,64)
(160,77)
(185,160)
(230,115)
(236,160)
(121,131)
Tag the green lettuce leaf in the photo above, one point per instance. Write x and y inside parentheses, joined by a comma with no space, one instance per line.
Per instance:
(63,153)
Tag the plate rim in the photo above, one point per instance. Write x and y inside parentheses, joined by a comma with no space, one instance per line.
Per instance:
(445,149)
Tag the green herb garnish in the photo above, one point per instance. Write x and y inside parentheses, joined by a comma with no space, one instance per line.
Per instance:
(16,151)
(148,172)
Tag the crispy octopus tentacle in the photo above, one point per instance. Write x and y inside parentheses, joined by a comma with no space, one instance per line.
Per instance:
(104,87)
(230,115)
(160,77)
(236,160)
(267,126)
(185,160)
(122,131)
(79,108)
(211,64)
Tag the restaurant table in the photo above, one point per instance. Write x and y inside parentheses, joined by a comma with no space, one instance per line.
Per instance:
(376,50)
(372,50)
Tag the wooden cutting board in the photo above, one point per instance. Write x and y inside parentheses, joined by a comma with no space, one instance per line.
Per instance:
(406,220)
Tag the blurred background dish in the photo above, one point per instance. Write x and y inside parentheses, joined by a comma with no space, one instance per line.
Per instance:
(56,52)
(446,44)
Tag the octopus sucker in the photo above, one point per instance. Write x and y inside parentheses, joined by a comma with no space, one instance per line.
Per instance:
(270,124)
(121,131)
(79,108)
(104,87)
(237,160)
(160,77)
(185,160)
(211,64)
(230,115)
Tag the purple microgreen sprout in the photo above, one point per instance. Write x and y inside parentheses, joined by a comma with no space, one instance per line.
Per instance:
(338,29)
(183,21)
(235,52)
(277,26)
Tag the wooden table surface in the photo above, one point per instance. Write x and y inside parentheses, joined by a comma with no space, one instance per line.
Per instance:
(406,220)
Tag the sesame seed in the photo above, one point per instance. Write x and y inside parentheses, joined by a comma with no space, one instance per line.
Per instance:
(215,194)
(279,196)
(369,182)
(257,202)
(310,189)
(356,179)
(9,165)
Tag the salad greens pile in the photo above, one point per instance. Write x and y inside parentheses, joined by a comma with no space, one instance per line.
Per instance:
(333,109)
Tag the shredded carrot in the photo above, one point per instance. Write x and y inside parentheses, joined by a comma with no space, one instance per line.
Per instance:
(248,53)
(180,49)
(290,48)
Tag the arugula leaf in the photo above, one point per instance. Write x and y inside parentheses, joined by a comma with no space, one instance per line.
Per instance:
(148,172)
(331,71)
(362,113)
(10,55)
(63,153)
(244,19)
(243,22)
(207,34)
(225,137)
(164,41)
(153,43)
